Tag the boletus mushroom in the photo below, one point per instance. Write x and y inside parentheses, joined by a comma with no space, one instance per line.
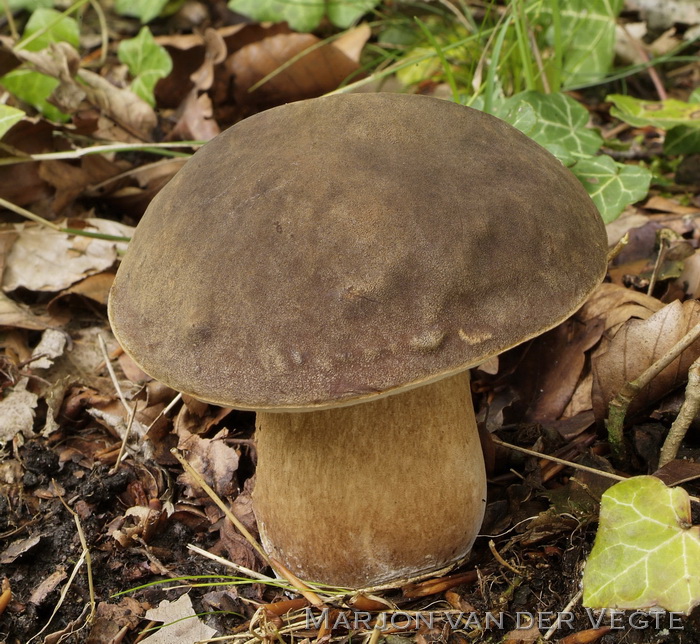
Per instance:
(337,265)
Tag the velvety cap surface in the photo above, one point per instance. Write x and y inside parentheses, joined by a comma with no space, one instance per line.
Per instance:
(330,250)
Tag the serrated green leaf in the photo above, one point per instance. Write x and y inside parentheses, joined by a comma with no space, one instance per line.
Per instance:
(144,10)
(560,123)
(646,553)
(664,114)
(8,117)
(54,27)
(682,139)
(612,185)
(147,61)
(304,15)
(34,88)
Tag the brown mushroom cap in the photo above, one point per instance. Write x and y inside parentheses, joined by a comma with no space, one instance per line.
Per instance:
(333,250)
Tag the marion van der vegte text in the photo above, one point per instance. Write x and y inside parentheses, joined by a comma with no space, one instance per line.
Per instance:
(414,620)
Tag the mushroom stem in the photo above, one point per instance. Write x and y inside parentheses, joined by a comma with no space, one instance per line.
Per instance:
(362,495)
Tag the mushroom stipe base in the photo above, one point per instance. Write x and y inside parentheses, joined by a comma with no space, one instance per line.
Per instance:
(363,495)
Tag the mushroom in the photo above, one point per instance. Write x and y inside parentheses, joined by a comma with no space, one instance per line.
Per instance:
(337,265)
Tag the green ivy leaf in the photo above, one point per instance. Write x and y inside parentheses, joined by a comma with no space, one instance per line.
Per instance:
(53,26)
(344,14)
(682,139)
(34,88)
(560,124)
(304,15)
(8,117)
(612,185)
(147,61)
(29,5)
(664,114)
(144,10)
(588,27)
(646,552)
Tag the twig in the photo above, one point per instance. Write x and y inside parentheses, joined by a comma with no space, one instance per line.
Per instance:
(130,422)
(576,466)
(621,402)
(561,461)
(617,249)
(497,556)
(689,410)
(664,245)
(553,628)
(112,375)
(230,564)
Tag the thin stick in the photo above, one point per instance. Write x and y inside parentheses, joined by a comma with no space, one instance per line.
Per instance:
(575,466)
(497,556)
(688,412)
(132,415)
(112,375)
(561,461)
(621,402)
(553,628)
(230,564)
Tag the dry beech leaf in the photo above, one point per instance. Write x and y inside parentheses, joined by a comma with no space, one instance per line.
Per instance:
(316,72)
(42,259)
(562,353)
(616,304)
(635,347)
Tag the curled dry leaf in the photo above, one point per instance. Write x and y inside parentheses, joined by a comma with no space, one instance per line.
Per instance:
(615,305)
(317,68)
(635,347)
(213,460)
(61,61)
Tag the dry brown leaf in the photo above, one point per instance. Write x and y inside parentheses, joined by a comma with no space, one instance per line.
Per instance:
(562,354)
(635,347)
(663,204)
(237,547)
(20,183)
(319,69)
(17,412)
(181,623)
(42,259)
(196,119)
(616,304)
(49,584)
(60,60)
(213,460)
(70,180)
